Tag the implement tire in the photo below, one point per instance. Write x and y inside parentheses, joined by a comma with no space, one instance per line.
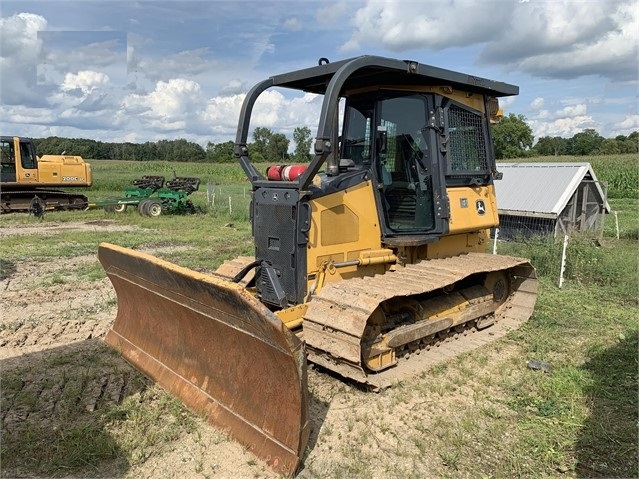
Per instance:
(119,208)
(154,208)
(142,207)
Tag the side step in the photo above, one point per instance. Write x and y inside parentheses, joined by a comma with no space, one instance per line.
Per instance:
(216,347)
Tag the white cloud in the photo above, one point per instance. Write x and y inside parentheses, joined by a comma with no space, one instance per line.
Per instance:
(571,39)
(565,122)
(506,102)
(401,26)
(189,85)
(25,115)
(564,127)
(572,111)
(19,34)
(537,103)
(233,87)
(185,63)
(293,24)
(220,115)
(98,51)
(20,49)
(169,106)
(87,81)
(549,39)
(272,110)
(628,125)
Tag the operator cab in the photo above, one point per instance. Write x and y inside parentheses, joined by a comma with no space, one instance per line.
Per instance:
(25,154)
(388,133)
(415,144)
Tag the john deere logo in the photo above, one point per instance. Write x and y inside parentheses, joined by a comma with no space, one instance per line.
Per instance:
(481,207)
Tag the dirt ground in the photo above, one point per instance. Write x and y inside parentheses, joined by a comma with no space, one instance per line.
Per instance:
(51,328)
(47,326)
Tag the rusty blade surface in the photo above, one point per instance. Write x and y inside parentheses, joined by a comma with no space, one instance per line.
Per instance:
(216,347)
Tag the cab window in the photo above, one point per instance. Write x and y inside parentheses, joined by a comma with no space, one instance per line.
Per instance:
(467,145)
(27,155)
(403,163)
(7,156)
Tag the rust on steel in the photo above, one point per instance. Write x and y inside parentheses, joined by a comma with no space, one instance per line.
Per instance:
(216,347)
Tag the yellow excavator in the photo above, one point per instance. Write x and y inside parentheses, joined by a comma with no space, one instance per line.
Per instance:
(369,261)
(29,183)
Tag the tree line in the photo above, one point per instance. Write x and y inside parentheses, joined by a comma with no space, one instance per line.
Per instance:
(512,137)
(266,146)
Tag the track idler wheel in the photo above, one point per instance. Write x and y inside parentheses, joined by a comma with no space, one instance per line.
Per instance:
(499,284)
(37,207)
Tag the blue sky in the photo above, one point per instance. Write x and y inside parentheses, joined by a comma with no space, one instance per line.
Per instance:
(145,71)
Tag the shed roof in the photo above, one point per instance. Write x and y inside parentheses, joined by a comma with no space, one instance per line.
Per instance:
(542,188)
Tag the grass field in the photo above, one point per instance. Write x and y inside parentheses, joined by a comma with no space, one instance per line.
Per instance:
(579,420)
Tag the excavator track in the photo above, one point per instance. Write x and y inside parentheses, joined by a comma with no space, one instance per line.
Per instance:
(337,324)
(40,200)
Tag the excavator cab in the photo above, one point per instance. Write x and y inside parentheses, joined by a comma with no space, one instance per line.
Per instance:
(371,252)
(19,160)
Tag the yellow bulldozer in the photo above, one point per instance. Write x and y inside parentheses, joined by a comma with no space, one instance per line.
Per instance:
(29,183)
(369,260)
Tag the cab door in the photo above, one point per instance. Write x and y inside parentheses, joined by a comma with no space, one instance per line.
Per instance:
(26,161)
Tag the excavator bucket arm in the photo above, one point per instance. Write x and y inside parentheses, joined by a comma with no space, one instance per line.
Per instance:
(211,343)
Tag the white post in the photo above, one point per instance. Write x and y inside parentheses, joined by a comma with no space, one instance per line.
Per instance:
(209,193)
(616,224)
(230,206)
(563,261)
(495,241)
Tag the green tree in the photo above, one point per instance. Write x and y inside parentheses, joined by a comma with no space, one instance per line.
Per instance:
(630,143)
(261,138)
(512,137)
(302,139)
(610,146)
(277,149)
(633,142)
(268,146)
(220,152)
(550,146)
(585,143)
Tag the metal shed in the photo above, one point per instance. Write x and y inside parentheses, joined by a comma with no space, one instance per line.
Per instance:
(549,199)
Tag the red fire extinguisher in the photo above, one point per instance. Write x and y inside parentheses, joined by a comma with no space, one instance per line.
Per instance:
(285,172)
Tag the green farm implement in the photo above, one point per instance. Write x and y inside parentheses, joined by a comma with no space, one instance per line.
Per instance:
(152,196)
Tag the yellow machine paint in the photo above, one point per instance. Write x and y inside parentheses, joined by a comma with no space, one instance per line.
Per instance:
(64,170)
(344,236)
(30,183)
(344,228)
(370,262)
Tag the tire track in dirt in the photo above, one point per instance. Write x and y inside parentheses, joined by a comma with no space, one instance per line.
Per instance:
(59,378)
(37,315)
(54,228)
(62,384)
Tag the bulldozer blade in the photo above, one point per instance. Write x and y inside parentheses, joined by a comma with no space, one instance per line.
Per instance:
(211,343)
